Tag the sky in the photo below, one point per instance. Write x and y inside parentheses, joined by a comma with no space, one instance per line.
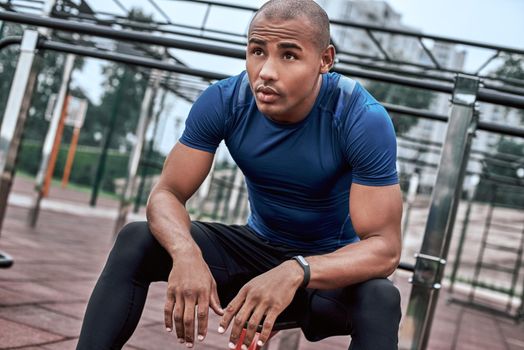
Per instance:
(497,22)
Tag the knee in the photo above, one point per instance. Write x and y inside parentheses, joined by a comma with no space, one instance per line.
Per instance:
(378,296)
(133,241)
(133,234)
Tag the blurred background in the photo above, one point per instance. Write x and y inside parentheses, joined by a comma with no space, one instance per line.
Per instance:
(106,108)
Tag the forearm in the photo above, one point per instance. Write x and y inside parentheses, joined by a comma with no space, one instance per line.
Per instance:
(170,223)
(374,257)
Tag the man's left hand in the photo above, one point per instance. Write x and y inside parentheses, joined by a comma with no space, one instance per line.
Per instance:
(266,295)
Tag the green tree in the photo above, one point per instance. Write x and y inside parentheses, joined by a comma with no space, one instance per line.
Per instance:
(8,60)
(501,171)
(50,67)
(133,80)
(513,68)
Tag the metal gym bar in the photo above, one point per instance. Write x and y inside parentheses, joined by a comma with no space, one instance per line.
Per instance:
(49,143)
(143,122)
(419,313)
(13,122)
(484,95)
(369,30)
(430,262)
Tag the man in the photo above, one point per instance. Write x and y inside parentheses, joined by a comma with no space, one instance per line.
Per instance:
(318,154)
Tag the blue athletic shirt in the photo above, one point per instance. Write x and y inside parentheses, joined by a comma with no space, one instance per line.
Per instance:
(298,175)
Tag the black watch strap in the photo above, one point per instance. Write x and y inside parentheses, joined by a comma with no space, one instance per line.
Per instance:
(305,266)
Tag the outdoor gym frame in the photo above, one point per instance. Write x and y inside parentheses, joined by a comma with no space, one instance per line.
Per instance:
(462,123)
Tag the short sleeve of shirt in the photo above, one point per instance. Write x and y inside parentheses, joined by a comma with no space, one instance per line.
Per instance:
(370,146)
(206,122)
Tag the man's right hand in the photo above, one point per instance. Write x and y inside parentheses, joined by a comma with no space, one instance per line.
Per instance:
(190,285)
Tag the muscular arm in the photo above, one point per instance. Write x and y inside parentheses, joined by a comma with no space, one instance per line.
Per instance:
(184,171)
(190,284)
(376,214)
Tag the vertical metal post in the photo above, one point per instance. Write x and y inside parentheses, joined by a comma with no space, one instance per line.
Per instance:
(429,267)
(17,106)
(50,138)
(105,148)
(203,192)
(480,257)
(463,232)
(220,183)
(150,149)
(2,24)
(410,199)
(230,188)
(143,121)
(57,142)
(235,197)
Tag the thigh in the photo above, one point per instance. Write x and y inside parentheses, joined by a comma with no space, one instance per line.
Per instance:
(229,274)
(137,249)
(233,253)
(371,307)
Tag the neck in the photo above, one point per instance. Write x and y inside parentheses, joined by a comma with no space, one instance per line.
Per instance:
(302,110)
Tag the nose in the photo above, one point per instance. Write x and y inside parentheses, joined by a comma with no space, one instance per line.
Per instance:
(269,72)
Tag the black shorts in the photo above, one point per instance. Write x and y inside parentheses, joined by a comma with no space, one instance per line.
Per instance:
(368,311)
(236,254)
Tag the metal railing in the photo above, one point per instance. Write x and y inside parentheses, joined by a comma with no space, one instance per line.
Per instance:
(463,121)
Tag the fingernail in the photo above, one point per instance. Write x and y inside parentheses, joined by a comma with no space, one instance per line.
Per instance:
(260,343)
(168,329)
(221,330)
(232,346)
(180,340)
(244,347)
(189,345)
(200,337)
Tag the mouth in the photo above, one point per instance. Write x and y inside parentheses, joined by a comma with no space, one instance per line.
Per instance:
(266,94)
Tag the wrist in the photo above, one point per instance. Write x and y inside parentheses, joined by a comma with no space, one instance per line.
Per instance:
(295,273)
(302,262)
(184,249)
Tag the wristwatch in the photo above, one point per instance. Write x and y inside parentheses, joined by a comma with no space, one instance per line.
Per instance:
(305,266)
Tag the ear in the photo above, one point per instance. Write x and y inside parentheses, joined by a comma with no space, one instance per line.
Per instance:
(327,59)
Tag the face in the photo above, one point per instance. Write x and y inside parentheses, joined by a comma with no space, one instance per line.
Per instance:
(284,64)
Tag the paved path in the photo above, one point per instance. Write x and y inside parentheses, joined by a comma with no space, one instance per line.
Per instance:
(43,296)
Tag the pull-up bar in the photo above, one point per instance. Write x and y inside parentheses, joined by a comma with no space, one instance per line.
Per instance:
(485,95)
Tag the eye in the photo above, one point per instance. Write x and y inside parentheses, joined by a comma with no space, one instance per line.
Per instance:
(289,56)
(257,52)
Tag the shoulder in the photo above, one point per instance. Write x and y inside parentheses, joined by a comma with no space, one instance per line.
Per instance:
(348,101)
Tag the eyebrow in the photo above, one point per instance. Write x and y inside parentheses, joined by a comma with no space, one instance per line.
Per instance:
(287,45)
(257,41)
(283,45)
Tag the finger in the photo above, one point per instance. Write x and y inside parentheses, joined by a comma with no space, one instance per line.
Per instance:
(168,310)
(269,321)
(179,317)
(239,321)
(252,324)
(214,302)
(189,321)
(230,311)
(202,316)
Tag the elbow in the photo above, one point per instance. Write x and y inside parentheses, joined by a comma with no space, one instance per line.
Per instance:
(150,202)
(391,262)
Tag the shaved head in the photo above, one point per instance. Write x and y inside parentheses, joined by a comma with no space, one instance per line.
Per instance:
(294,9)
